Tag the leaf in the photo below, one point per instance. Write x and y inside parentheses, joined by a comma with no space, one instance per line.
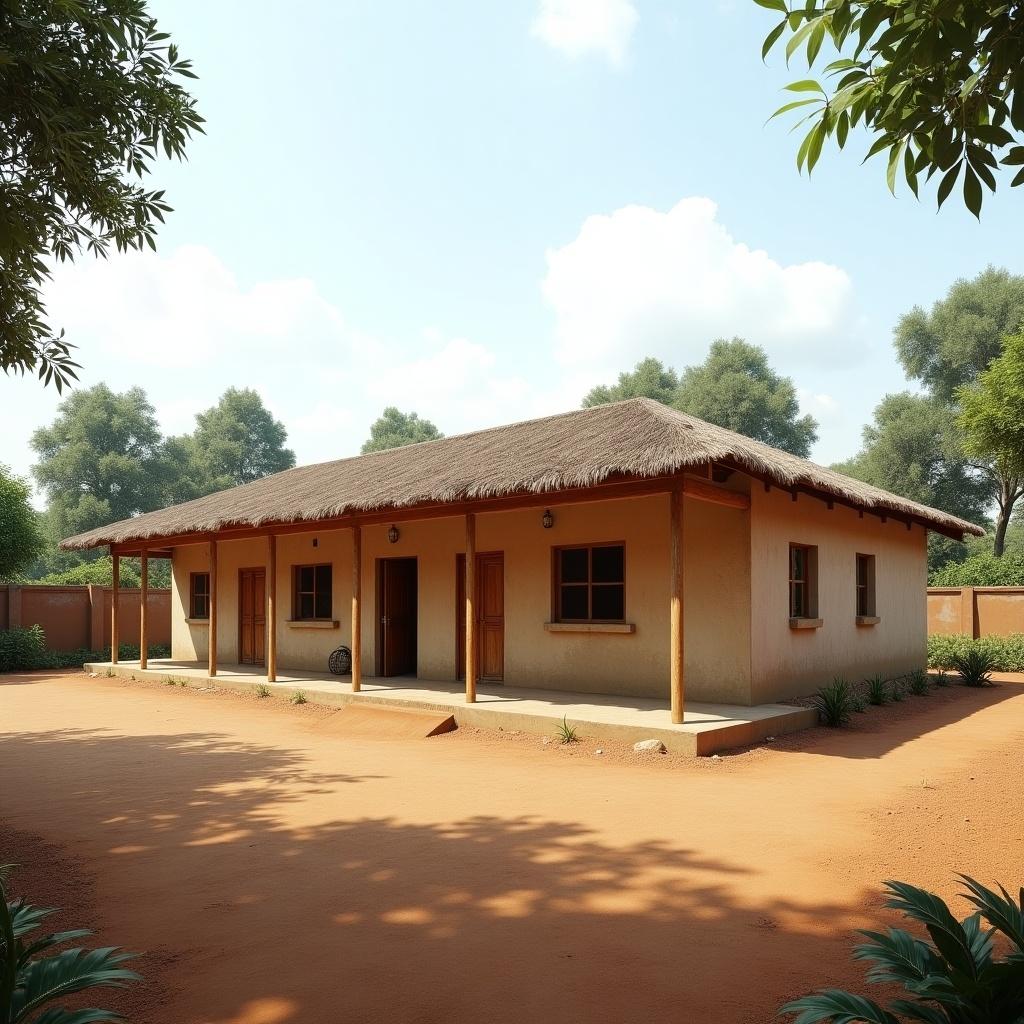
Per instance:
(773,5)
(797,39)
(838,1007)
(842,128)
(817,139)
(814,43)
(999,910)
(1018,179)
(894,161)
(919,905)
(772,38)
(1014,157)
(792,106)
(972,200)
(805,85)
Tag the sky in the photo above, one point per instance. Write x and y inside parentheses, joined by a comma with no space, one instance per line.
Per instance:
(479,211)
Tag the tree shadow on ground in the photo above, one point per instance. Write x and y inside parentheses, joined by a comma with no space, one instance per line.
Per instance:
(262,900)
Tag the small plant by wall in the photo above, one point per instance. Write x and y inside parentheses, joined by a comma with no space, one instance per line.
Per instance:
(262,691)
(877,689)
(298,697)
(567,732)
(975,667)
(917,682)
(835,703)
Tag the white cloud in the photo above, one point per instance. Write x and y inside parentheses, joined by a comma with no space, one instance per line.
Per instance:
(581,27)
(642,282)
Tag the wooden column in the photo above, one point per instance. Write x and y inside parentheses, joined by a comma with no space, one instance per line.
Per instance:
(357,617)
(115,592)
(676,607)
(143,602)
(470,608)
(211,646)
(272,609)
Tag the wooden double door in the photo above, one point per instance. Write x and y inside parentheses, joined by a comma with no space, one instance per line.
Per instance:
(252,616)
(397,610)
(490,615)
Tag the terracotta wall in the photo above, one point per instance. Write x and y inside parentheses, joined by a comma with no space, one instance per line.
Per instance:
(976,611)
(79,617)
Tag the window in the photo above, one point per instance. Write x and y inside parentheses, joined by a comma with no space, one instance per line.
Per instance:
(865,586)
(803,583)
(590,583)
(312,598)
(199,595)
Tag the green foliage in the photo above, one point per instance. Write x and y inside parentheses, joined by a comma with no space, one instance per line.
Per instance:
(566,733)
(914,448)
(878,690)
(734,388)
(262,691)
(835,703)
(981,571)
(395,428)
(1006,652)
(299,697)
(90,98)
(30,981)
(235,442)
(975,666)
(649,379)
(20,537)
(992,409)
(100,573)
(956,978)
(917,682)
(101,460)
(24,649)
(896,691)
(21,648)
(936,85)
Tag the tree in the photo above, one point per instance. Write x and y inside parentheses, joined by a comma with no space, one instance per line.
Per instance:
(20,537)
(992,419)
(736,388)
(90,97)
(649,379)
(948,347)
(937,84)
(238,441)
(914,448)
(101,460)
(394,429)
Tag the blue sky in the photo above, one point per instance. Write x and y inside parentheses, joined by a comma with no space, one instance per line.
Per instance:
(477,211)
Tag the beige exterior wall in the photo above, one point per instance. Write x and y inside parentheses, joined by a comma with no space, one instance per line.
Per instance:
(717,560)
(739,645)
(787,662)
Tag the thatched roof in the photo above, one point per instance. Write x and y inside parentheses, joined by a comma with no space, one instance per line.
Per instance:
(635,438)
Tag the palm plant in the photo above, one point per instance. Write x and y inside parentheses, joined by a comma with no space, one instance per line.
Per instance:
(975,666)
(28,981)
(954,979)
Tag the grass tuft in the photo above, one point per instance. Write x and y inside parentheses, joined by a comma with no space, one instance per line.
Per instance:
(878,693)
(299,697)
(835,703)
(567,733)
(917,682)
(262,691)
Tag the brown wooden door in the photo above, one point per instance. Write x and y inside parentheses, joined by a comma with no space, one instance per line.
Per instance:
(396,607)
(490,615)
(252,616)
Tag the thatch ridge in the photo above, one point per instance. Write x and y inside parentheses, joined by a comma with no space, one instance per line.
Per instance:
(637,437)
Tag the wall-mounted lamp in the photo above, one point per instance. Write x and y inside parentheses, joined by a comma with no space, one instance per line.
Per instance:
(547,520)
(393,534)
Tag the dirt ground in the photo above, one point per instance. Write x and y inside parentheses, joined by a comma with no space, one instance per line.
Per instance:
(272,871)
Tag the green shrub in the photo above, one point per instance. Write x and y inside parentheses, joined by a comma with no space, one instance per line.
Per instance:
(975,667)
(298,697)
(1007,652)
(953,979)
(262,691)
(835,703)
(896,691)
(917,682)
(984,570)
(22,648)
(878,691)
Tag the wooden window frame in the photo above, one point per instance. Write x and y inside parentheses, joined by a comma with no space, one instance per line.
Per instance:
(193,594)
(556,581)
(296,593)
(864,592)
(809,609)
